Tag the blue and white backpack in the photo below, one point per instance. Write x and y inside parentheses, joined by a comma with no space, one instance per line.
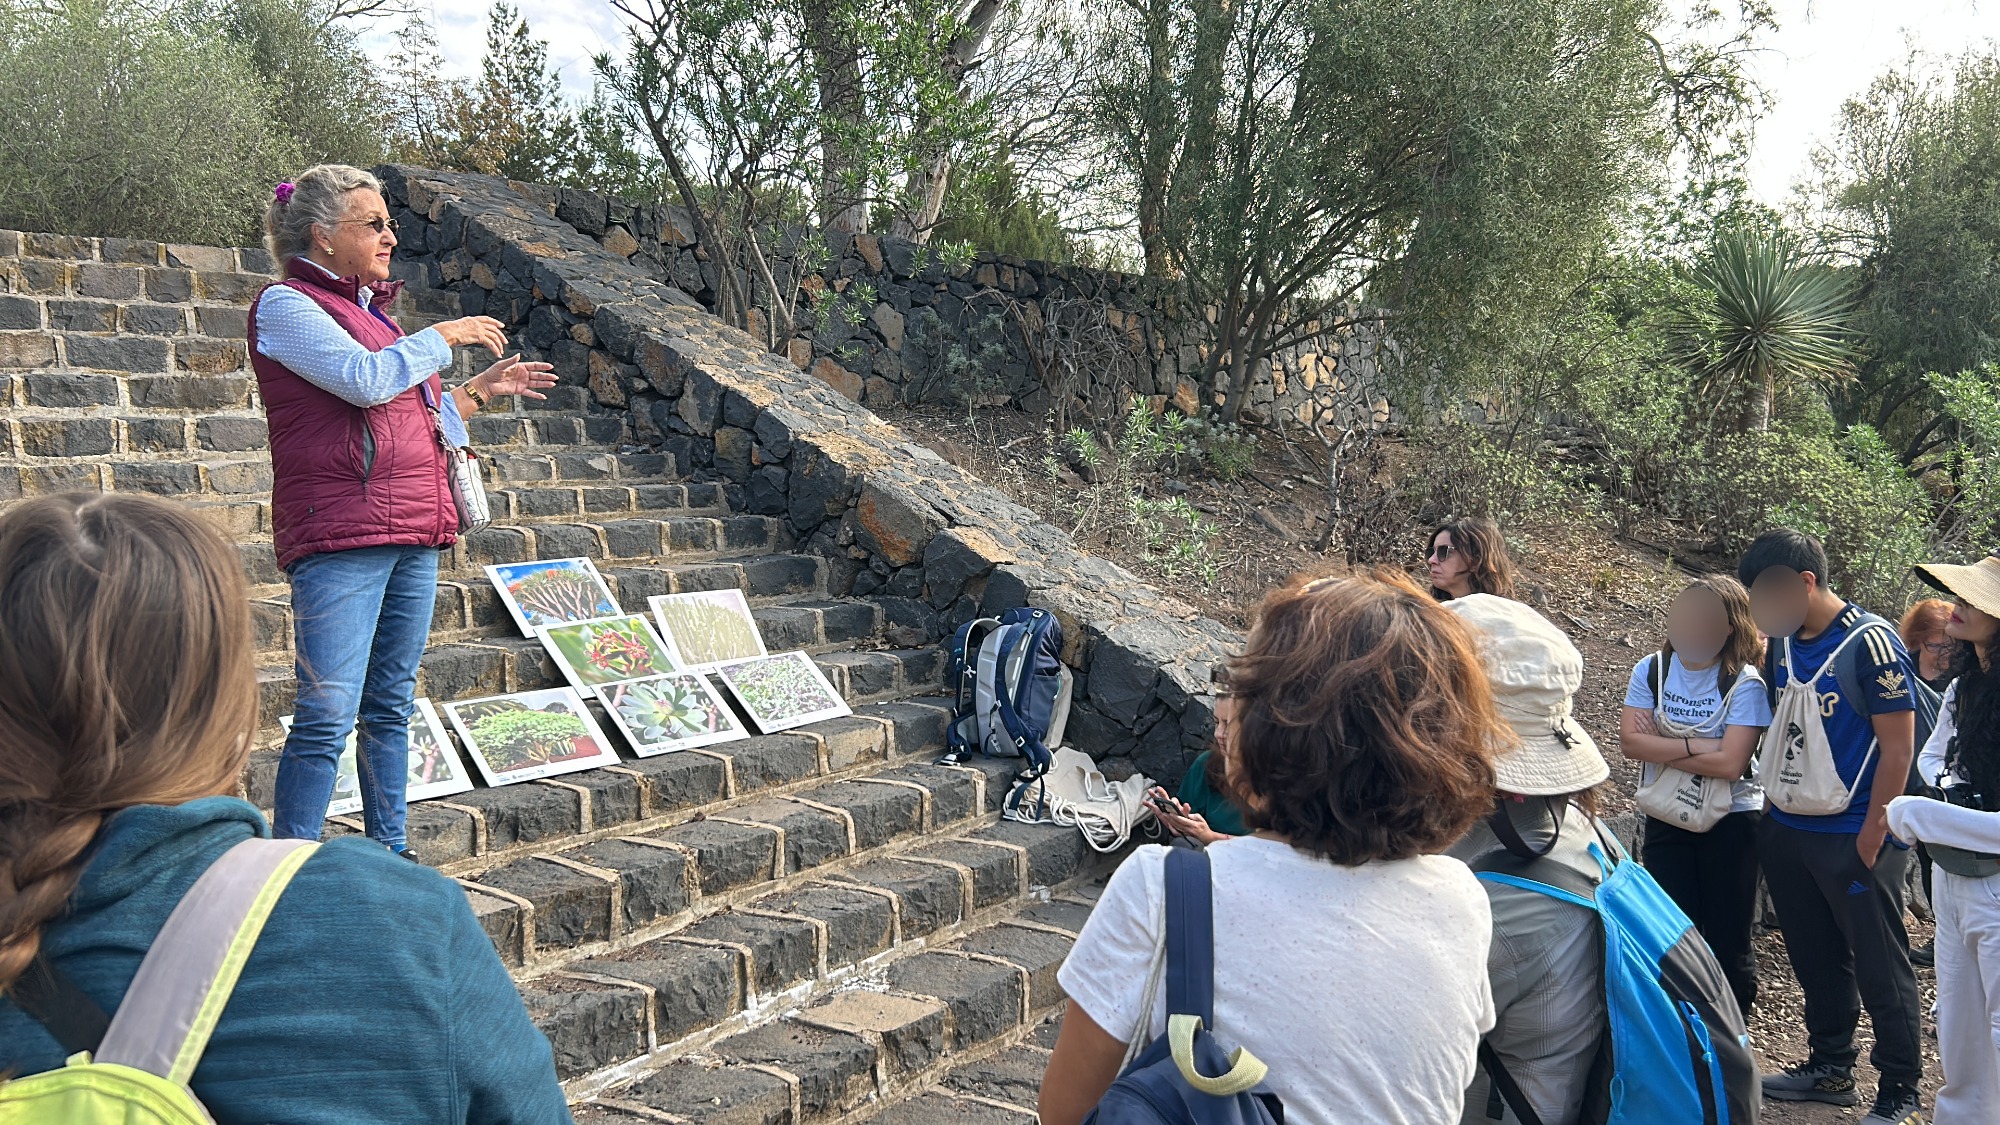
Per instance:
(1012,690)
(1678,1052)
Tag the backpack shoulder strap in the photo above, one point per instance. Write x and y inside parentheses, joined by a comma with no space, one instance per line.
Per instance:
(1190,935)
(1504,1086)
(1847,662)
(1658,674)
(178,994)
(70,1015)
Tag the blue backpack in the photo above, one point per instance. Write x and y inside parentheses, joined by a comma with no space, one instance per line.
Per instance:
(1012,692)
(1679,1050)
(1168,1083)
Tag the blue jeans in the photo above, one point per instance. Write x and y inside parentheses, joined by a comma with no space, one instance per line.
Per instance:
(359,621)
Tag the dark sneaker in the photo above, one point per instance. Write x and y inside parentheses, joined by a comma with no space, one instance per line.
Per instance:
(1895,1105)
(410,855)
(1813,1082)
(1925,955)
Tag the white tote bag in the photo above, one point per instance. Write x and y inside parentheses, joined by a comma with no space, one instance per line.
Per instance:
(1796,764)
(1687,800)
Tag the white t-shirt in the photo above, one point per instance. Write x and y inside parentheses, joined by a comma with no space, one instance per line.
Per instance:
(1694,699)
(1363,988)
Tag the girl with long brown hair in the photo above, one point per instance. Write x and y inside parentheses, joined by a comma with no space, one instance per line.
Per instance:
(128,701)
(1698,706)
(1469,556)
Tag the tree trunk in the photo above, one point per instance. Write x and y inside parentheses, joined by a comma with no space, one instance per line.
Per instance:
(928,185)
(837,62)
(1160,128)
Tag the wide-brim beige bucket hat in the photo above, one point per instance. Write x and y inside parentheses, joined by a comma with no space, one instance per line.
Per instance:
(1977,584)
(1535,672)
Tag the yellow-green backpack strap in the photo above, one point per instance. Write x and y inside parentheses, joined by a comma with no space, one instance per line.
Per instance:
(163,1023)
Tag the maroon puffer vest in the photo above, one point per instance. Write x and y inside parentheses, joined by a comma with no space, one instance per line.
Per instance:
(345,476)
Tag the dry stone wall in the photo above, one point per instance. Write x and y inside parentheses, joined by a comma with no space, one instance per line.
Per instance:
(997,330)
(898,524)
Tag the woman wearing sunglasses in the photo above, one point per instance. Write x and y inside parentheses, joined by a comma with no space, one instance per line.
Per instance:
(1469,556)
(360,497)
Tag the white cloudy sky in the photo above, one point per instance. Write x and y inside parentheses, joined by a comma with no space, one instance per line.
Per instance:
(1824,52)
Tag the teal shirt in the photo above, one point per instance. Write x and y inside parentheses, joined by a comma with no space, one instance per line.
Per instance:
(1213,806)
(373,994)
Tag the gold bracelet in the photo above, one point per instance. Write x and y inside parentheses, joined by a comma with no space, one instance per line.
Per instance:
(478,399)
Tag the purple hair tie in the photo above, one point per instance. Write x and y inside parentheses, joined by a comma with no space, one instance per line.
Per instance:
(283,192)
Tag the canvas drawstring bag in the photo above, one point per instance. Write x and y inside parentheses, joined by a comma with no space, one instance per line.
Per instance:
(1686,800)
(1796,762)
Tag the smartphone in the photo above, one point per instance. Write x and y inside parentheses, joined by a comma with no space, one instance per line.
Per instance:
(1167,805)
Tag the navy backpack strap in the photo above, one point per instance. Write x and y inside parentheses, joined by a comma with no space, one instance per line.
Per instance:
(1505,1087)
(72,1018)
(1190,935)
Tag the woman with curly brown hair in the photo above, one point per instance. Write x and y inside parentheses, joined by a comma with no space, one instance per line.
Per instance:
(1361,744)
(1469,556)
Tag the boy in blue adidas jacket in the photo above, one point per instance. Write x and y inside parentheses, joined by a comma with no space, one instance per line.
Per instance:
(1837,880)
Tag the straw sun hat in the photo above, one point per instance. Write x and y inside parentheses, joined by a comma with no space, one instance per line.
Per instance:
(1534,671)
(1977,585)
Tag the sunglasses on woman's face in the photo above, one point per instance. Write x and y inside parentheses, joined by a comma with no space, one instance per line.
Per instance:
(1442,552)
(378,224)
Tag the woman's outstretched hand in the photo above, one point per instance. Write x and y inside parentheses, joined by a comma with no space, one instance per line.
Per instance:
(510,376)
(473,331)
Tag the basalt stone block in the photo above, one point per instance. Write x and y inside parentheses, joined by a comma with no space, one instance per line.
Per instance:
(996,872)
(522,814)
(1039,952)
(496,429)
(1013,1075)
(130,251)
(239,477)
(108,280)
(603,501)
(705,1095)
(680,781)
(83,316)
(589,466)
(812,837)
(763,761)
(1055,854)
(181,392)
(851,740)
(169,285)
(941,1109)
(956,557)
(571,907)
(835,1069)
(150,320)
(746,533)
(201,257)
(462,672)
(490,545)
(845,621)
(119,353)
(68,437)
(820,489)
(694,986)
(632,539)
(955,793)
(984,998)
(691,535)
(865,675)
(931,897)
(588,1025)
(1059,913)
(49,279)
(727,855)
(880,813)
(774,576)
(203,356)
(162,478)
(787,627)
(920,665)
(22,313)
(440,835)
(858,925)
(505,924)
(27,349)
(260,564)
(222,322)
(232,434)
(783,951)
(260,778)
(657,882)
(895,523)
(1125,666)
(915,726)
(228,288)
(559,431)
(615,798)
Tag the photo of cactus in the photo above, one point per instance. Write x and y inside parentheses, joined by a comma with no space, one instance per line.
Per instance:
(609,649)
(709,627)
(783,691)
(673,712)
(530,734)
(435,770)
(552,592)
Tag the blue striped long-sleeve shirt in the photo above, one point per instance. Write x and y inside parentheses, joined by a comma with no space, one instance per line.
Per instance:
(296,332)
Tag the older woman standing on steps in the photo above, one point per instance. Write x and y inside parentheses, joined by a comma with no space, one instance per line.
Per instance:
(360,498)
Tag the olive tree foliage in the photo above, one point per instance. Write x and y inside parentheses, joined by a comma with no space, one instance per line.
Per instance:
(1460,162)
(1903,193)
(323,90)
(158,120)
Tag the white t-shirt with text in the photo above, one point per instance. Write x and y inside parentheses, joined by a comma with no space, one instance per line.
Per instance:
(1694,699)
(1363,988)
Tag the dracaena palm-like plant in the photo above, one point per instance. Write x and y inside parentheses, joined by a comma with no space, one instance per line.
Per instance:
(1769,312)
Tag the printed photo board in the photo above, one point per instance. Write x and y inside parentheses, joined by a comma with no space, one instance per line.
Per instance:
(782,691)
(435,770)
(709,628)
(608,650)
(530,734)
(552,592)
(677,711)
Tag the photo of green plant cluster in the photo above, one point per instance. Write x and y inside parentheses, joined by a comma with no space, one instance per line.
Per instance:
(709,627)
(608,650)
(782,691)
(674,712)
(531,734)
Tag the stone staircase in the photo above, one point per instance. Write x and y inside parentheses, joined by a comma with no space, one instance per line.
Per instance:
(807,926)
